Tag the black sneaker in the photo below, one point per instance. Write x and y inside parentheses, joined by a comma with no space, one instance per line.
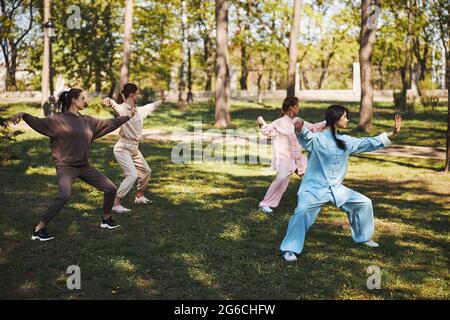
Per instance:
(41,235)
(109,224)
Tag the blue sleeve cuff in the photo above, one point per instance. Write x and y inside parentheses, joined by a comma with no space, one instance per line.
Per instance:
(384,139)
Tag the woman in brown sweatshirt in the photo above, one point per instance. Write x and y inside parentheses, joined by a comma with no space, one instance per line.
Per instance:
(71,135)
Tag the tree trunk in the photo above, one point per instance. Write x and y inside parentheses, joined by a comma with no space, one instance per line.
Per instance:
(207,57)
(244,54)
(380,71)
(125,70)
(45,65)
(306,81)
(325,64)
(190,95)
(447,75)
(222,114)
(367,39)
(11,68)
(293,48)
(182,99)
(259,83)
(406,70)
(244,68)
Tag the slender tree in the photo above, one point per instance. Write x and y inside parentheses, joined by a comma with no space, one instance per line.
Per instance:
(222,114)
(293,48)
(441,19)
(45,67)
(182,98)
(406,69)
(367,39)
(126,58)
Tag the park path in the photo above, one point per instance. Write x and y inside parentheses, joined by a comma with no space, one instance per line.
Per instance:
(185,136)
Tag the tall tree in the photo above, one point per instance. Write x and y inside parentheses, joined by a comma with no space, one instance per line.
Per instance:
(45,63)
(293,48)
(441,19)
(367,39)
(406,69)
(13,34)
(204,20)
(242,37)
(128,27)
(182,99)
(222,114)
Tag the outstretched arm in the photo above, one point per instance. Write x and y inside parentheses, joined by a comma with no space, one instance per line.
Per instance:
(149,108)
(43,126)
(368,144)
(266,129)
(101,127)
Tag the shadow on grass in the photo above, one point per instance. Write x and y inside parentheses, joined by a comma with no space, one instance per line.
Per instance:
(202,238)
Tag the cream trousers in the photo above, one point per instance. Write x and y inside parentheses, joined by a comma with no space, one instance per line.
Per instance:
(133,165)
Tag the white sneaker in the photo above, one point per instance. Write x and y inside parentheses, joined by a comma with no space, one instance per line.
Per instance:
(289,256)
(266,209)
(120,209)
(371,244)
(142,200)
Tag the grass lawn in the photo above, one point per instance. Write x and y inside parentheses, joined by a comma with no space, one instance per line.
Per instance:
(421,129)
(203,237)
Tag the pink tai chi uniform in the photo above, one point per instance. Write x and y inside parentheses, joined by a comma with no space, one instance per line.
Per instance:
(287,156)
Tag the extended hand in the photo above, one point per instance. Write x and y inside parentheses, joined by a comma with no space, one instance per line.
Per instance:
(17,117)
(261,121)
(108,102)
(299,125)
(398,123)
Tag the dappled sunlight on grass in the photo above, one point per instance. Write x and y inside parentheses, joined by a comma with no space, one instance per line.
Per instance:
(233,231)
(49,171)
(122,264)
(204,238)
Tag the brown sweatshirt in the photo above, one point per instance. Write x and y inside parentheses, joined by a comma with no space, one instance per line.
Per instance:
(71,135)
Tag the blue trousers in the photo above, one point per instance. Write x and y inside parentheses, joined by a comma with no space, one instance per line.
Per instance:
(358,208)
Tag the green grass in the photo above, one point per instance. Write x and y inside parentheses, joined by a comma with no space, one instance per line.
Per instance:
(203,237)
(421,129)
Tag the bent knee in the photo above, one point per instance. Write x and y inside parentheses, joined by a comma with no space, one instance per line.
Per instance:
(63,197)
(110,188)
(132,176)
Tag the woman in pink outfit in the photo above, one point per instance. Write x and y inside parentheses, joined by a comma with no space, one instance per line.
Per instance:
(287,156)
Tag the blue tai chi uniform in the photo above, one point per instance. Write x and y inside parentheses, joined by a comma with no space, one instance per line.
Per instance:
(322,183)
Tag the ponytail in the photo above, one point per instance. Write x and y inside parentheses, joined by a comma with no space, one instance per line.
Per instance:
(340,143)
(128,89)
(66,97)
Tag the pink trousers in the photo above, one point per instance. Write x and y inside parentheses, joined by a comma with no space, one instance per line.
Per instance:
(277,188)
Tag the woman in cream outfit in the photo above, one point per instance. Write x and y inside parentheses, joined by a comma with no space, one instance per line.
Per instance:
(126,150)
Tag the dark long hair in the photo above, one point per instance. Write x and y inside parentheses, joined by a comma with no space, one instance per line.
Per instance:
(332,115)
(288,102)
(128,89)
(65,99)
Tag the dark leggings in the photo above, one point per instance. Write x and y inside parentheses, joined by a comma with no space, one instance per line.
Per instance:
(88,174)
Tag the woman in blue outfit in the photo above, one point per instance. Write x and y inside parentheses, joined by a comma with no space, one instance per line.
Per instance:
(327,166)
